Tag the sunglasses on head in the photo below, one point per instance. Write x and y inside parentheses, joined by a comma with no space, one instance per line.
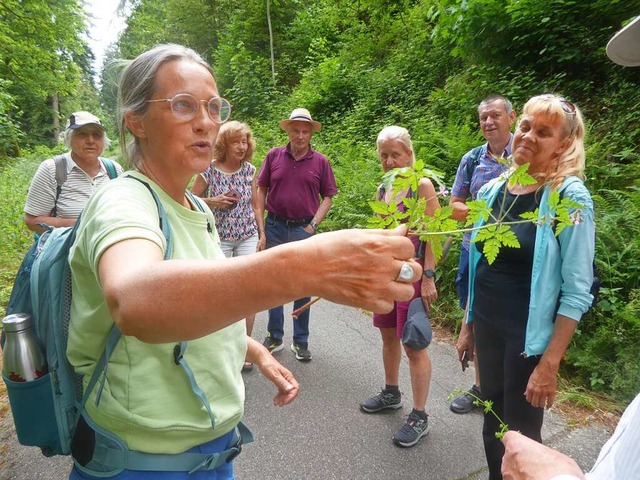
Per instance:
(567,107)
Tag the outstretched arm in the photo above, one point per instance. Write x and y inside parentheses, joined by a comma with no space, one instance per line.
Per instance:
(150,298)
(526,459)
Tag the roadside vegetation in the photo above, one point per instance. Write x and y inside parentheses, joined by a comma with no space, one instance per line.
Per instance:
(359,66)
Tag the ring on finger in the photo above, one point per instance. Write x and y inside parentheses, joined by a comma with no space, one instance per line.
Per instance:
(406,273)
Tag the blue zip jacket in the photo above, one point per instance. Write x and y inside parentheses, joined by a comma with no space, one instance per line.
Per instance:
(562,267)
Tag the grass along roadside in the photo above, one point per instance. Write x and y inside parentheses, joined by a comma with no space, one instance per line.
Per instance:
(16,238)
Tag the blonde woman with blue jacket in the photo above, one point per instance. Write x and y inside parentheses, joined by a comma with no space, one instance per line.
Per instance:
(526,305)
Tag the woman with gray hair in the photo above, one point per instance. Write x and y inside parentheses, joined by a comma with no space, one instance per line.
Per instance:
(62,185)
(161,407)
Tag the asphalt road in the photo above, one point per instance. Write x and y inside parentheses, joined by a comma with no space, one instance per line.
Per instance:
(323,435)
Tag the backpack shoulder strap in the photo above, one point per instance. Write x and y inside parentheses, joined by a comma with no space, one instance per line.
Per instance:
(110,167)
(61,176)
(472,162)
(162,218)
(115,334)
(196,201)
(61,171)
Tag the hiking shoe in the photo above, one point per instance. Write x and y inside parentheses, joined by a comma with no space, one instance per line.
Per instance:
(382,401)
(302,351)
(415,427)
(464,403)
(272,345)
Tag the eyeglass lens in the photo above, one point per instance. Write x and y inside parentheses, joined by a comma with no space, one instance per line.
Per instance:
(185,107)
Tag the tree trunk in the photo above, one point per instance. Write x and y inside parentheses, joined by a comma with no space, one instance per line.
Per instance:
(273,66)
(56,117)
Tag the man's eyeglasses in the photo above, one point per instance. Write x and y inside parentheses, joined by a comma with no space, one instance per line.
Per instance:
(185,107)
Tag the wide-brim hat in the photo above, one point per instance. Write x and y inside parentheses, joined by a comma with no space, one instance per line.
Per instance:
(82,118)
(300,115)
(624,47)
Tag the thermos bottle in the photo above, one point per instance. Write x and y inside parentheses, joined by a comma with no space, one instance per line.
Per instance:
(22,356)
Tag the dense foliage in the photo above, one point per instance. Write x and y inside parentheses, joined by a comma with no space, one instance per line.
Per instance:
(361,65)
(45,70)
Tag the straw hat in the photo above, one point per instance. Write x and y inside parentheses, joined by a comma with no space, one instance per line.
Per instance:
(624,47)
(301,115)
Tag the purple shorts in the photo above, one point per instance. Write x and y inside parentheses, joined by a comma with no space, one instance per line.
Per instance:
(397,317)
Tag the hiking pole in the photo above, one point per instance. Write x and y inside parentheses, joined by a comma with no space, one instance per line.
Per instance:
(307,305)
(446,246)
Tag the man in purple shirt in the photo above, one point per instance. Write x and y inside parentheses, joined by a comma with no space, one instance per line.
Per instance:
(476,168)
(296,185)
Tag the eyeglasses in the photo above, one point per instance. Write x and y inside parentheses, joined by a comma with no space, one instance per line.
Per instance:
(185,107)
(567,107)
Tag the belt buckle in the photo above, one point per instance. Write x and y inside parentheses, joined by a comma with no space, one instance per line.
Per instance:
(238,450)
(233,455)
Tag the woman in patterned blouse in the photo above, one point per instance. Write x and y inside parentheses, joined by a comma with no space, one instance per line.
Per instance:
(228,186)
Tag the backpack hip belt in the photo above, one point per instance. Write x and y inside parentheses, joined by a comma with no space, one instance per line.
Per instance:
(110,455)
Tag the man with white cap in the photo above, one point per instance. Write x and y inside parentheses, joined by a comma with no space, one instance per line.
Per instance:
(526,459)
(62,185)
(295,185)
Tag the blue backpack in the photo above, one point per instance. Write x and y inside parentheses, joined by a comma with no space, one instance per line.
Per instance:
(47,410)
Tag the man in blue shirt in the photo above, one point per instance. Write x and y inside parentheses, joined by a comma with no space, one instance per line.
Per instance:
(476,168)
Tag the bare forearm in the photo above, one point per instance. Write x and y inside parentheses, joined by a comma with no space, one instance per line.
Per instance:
(161,301)
(323,209)
(256,352)
(460,209)
(560,339)
(186,299)
(543,382)
(257,203)
(260,201)
(429,258)
(32,222)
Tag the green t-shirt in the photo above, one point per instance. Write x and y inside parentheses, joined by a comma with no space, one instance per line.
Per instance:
(147,399)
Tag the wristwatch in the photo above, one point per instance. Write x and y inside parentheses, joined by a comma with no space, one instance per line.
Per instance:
(313,225)
(429,273)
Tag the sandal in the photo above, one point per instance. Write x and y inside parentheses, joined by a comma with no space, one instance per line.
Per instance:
(247,367)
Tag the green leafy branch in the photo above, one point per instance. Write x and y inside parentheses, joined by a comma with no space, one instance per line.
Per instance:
(487,407)
(437,228)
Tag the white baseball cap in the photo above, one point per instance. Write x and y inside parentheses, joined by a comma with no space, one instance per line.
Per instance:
(624,47)
(82,118)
